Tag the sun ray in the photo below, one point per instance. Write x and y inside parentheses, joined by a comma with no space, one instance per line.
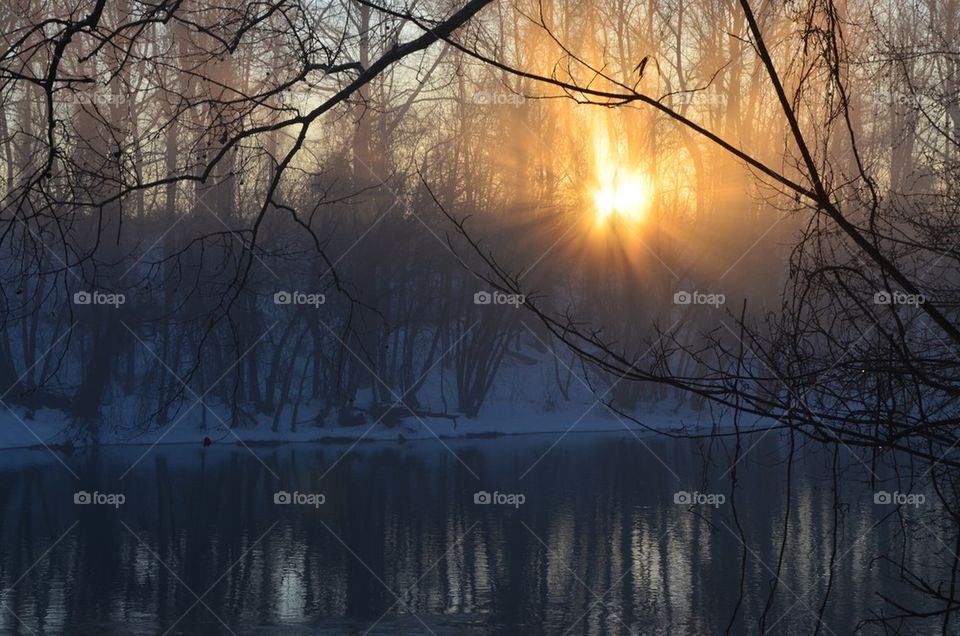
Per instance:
(623,191)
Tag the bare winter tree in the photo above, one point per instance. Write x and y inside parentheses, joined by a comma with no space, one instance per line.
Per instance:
(268,206)
(157,157)
(861,352)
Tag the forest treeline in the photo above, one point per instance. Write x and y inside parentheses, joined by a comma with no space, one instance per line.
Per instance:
(175,172)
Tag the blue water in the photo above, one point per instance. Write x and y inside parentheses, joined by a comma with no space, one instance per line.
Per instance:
(588,539)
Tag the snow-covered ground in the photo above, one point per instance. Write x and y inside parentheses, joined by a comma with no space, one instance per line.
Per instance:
(523,400)
(20,429)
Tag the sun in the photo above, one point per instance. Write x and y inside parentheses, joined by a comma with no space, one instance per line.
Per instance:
(622,194)
(622,191)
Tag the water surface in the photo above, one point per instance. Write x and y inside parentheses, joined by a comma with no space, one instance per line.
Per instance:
(399,546)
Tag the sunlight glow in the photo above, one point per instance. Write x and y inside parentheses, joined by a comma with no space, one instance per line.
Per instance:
(624,194)
(622,191)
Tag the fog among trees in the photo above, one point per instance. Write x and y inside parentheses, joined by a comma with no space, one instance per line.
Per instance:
(313,215)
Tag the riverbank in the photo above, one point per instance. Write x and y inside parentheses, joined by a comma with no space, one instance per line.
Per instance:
(20,428)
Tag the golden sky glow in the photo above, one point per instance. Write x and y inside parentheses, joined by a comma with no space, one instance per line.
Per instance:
(622,192)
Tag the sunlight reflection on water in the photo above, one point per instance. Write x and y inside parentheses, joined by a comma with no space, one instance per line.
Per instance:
(599,545)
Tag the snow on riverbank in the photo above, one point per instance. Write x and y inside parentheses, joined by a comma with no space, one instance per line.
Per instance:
(47,427)
(523,400)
